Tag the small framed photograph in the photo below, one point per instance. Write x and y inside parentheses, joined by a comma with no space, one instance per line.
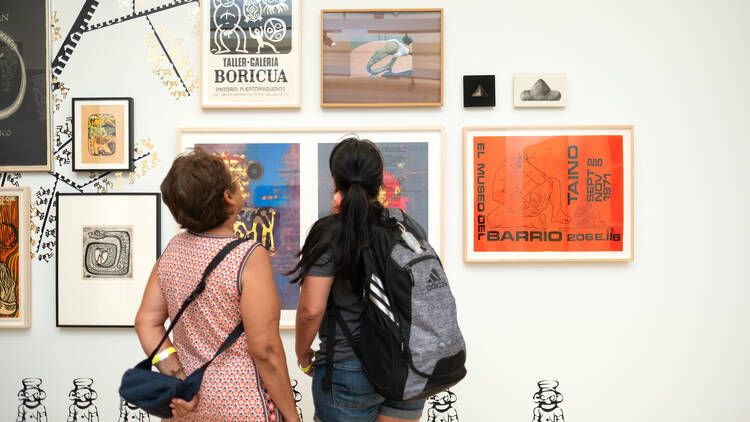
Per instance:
(381,58)
(106,247)
(540,90)
(548,193)
(479,90)
(15,270)
(103,134)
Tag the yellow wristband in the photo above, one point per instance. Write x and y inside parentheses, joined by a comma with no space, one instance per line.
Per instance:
(307,368)
(163,355)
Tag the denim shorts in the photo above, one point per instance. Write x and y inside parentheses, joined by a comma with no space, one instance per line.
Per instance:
(352,397)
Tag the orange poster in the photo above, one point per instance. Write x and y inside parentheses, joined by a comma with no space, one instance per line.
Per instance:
(549,193)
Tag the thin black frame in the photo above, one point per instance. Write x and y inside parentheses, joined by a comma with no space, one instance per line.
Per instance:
(131,135)
(157,196)
(488,82)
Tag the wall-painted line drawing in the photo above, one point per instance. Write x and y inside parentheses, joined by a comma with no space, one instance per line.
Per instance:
(107,252)
(547,399)
(31,395)
(297,398)
(74,35)
(540,92)
(441,407)
(132,413)
(83,408)
(140,14)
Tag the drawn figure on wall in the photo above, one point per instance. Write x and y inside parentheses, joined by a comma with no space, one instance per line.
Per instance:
(297,398)
(527,196)
(391,50)
(9,222)
(83,408)
(132,413)
(102,131)
(441,407)
(226,18)
(31,395)
(107,252)
(547,399)
(266,22)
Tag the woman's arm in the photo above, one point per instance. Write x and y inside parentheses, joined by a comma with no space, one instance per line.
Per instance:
(313,298)
(261,310)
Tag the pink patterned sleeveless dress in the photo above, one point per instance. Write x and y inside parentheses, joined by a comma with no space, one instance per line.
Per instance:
(231,388)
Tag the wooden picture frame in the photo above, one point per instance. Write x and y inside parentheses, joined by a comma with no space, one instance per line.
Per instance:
(25,129)
(106,247)
(269,71)
(401,82)
(240,148)
(548,193)
(107,143)
(15,257)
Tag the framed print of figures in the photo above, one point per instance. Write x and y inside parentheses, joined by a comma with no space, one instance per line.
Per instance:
(381,58)
(548,193)
(24,86)
(251,54)
(15,292)
(287,185)
(106,247)
(540,90)
(103,134)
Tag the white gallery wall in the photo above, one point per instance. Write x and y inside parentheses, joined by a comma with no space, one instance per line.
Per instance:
(663,338)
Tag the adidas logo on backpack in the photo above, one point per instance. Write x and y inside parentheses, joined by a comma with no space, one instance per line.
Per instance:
(407,350)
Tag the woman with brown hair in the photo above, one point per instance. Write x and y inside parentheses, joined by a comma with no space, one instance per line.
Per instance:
(205,200)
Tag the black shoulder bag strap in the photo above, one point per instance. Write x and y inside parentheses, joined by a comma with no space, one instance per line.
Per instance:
(196,292)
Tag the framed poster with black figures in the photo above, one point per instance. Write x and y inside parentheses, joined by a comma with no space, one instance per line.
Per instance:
(250,54)
(106,247)
(24,86)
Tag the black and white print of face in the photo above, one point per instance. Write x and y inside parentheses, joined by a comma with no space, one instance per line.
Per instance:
(107,252)
(31,396)
(547,399)
(440,407)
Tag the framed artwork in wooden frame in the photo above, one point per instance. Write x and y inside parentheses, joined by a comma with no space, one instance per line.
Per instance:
(540,90)
(251,54)
(106,247)
(548,193)
(287,185)
(15,269)
(103,136)
(381,58)
(25,99)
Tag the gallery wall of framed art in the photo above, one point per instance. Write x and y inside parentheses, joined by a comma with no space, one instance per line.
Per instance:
(107,245)
(548,193)
(287,184)
(25,100)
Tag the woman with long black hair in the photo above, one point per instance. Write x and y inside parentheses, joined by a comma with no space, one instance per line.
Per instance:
(331,268)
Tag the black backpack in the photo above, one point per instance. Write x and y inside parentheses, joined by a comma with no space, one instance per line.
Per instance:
(410,345)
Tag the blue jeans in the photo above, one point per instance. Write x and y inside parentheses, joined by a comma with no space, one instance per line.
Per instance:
(352,397)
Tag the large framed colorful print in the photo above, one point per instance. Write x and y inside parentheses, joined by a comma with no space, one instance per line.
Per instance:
(15,292)
(107,245)
(287,185)
(251,54)
(381,58)
(103,134)
(548,193)
(24,86)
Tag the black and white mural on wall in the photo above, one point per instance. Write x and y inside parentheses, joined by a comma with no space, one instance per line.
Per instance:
(297,398)
(31,396)
(440,407)
(167,59)
(547,400)
(83,395)
(131,413)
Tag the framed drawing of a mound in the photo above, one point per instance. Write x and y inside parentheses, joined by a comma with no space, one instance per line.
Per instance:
(540,90)
(381,58)
(250,54)
(106,247)
(24,86)
(103,134)
(548,193)
(15,293)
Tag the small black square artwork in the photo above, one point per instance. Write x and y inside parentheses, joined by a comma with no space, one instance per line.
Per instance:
(479,90)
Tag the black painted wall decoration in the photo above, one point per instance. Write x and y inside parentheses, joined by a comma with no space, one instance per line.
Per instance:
(83,408)
(440,407)
(31,396)
(479,90)
(547,400)
(132,413)
(297,398)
